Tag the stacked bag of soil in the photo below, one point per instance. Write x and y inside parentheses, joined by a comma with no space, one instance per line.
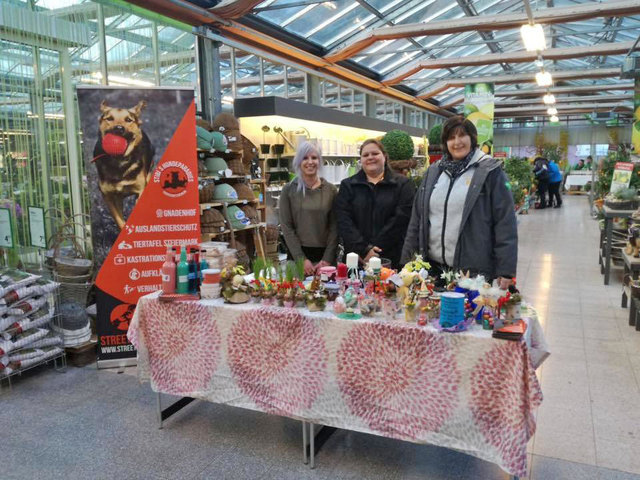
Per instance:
(27,308)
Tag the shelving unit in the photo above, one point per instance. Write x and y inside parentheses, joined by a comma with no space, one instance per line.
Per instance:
(257,230)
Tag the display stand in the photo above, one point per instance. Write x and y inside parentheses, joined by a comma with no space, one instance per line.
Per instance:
(604,257)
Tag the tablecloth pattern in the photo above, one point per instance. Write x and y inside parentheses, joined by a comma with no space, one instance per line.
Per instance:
(465,391)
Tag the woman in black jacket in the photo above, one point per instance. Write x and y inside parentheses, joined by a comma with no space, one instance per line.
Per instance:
(373,207)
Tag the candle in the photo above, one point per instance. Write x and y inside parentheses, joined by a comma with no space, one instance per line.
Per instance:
(342,271)
(352,260)
(375,264)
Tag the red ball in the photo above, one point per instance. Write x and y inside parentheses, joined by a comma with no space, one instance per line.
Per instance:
(114,144)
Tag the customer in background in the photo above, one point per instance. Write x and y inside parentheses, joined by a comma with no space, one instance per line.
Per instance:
(555,179)
(373,207)
(589,164)
(306,212)
(541,171)
(579,165)
(463,216)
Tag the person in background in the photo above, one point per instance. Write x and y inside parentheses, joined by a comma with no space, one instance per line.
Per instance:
(373,207)
(541,171)
(306,212)
(589,164)
(579,165)
(463,216)
(555,179)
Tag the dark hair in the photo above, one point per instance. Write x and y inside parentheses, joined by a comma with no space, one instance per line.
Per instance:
(377,143)
(458,124)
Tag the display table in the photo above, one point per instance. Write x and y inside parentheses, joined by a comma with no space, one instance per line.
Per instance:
(578,179)
(465,391)
(609,215)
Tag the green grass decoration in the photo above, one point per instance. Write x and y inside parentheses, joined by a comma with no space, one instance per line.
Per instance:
(300,269)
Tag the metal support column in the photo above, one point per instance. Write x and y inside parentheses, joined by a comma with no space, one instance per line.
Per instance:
(102,45)
(234,83)
(74,156)
(156,52)
(41,134)
(209,77)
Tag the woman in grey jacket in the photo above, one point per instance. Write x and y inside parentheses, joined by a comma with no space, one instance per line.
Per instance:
(463,216)
(306,212)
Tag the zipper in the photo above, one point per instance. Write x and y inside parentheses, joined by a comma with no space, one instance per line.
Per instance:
(444,219)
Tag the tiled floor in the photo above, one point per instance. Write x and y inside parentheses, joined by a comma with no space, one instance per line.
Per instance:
(89,424)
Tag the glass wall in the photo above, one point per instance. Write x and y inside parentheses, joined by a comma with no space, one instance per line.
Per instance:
(103,44)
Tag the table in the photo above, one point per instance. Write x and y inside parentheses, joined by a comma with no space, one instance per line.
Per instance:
(465,391)
(577,179)
(609,215)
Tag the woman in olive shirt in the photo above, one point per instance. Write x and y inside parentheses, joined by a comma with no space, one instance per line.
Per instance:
(305,210)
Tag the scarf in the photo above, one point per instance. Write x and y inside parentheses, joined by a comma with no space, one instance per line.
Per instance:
(455,167)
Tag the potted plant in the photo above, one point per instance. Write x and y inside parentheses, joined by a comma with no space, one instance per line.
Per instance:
(435,135)
(623,199)
(399,146)
(278,148)
(264,146)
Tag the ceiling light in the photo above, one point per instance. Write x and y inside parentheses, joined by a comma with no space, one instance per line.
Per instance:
(554,119)
(533,37)
(543,79)
(227,99)
(549,99)
(552,110)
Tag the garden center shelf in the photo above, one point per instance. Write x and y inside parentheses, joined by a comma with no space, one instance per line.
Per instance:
(219,178)
(205,237)
(206,206)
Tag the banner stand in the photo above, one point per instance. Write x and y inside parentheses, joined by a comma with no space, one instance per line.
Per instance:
(142,174)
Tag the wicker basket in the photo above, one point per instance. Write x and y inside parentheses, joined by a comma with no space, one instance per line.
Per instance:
(235,164)
(272,234)
(72,266)
(226,120)
(249,152)
(212,221)
(205,192)
(244,191)
(74,292)
(251,213)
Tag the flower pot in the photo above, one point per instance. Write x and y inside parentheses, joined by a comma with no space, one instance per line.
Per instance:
(314,307)
(621,204)
(265,148)
(278,148)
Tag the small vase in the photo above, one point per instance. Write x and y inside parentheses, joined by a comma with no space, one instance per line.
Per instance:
(410,314)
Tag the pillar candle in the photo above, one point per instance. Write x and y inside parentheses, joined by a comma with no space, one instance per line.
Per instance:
(342,270)
(352,260)
(375,264)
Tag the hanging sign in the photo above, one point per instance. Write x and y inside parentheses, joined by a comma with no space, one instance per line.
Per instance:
(36,227)
(479,108)
(6,232)
(635,132)
(141,162)
(621,176)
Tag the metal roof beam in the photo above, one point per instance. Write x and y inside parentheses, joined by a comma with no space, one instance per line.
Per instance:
(586,98)
(515,57)
(525,77)
(484,23)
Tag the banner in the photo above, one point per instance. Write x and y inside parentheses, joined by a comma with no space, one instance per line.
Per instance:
(621,176)
(478,107)
(635,132)
(139,147)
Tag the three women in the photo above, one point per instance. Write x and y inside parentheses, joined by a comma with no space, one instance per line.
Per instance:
(462,217)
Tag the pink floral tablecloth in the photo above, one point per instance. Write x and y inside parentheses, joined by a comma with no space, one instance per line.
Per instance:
(465,391)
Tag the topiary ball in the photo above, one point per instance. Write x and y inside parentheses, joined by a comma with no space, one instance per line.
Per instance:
(398,144)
